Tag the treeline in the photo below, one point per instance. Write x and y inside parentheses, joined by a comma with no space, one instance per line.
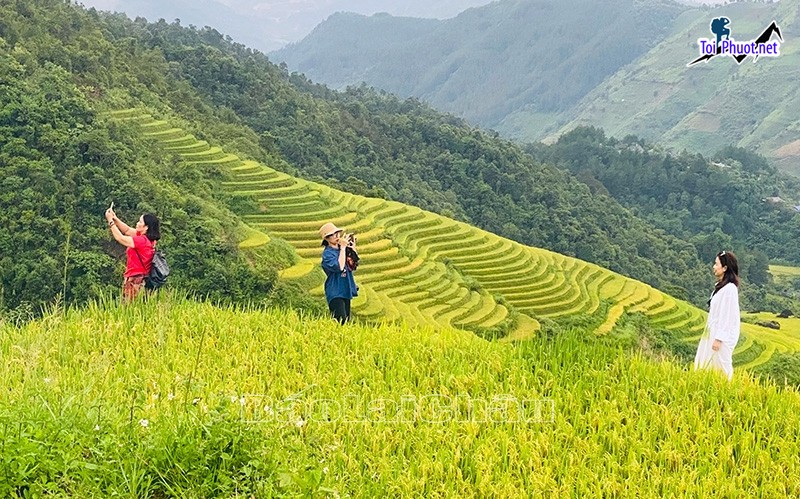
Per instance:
(735,199)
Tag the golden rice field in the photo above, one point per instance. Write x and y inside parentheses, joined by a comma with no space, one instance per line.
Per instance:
(174,398)
(784,271)
(428,270)
(789,326)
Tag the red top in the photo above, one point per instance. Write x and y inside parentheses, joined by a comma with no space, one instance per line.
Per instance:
(144,248)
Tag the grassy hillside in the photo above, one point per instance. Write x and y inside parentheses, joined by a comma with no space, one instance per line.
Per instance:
(172,398)
(427,270)
(736,200)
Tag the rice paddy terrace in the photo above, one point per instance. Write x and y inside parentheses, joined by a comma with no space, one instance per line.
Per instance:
(426,269)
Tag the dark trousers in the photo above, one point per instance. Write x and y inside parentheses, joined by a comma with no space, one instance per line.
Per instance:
(340,309)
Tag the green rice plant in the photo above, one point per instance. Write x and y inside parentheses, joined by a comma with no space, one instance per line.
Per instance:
(169,397)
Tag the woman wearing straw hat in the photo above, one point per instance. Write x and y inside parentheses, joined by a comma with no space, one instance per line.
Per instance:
(340,287)
(722,329)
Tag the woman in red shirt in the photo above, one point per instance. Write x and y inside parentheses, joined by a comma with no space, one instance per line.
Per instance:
(141,244)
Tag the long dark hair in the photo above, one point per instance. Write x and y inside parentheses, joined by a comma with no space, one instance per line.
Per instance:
(153,226)
(731,264)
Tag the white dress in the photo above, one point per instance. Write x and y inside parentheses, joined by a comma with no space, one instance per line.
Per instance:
(723,325)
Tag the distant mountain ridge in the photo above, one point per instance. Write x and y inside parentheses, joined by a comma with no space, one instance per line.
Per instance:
(534,69)
(271,25)
(487,62)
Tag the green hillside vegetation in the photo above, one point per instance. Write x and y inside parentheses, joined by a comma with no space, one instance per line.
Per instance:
(173,398)
(487,62)
(426,270)
(372,143)
(735,200)
(361,141)
(62,166)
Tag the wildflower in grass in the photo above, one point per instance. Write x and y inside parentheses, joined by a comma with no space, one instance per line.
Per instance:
(145,423)
(170,396)
(47,380)
(300,423)
(97,427)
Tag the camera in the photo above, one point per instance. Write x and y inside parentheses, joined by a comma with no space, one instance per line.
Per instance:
(351,239)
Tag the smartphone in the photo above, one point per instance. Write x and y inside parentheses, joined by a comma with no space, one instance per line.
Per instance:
(112,206)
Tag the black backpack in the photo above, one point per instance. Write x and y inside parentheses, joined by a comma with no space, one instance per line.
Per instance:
(159,270)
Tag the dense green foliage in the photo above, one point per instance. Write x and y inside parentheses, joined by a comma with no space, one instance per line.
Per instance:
(487,62)
(715,203)
(62,165)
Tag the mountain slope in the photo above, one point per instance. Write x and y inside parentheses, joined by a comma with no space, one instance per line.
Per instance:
(532,70)
(362,141)
(708,106)
(489,61)
(270,25)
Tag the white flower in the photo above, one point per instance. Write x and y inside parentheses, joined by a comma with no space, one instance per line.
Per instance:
(170,396)
(47,380)
(195,401)
(300,423)
(145,423)
(325,470)
(234,398)
(97,427)
(241,401)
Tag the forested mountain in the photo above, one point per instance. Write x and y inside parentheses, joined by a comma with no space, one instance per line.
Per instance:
(62,163)
(270,25)
(734,200)
(707,107)
(534,69)
(487,62)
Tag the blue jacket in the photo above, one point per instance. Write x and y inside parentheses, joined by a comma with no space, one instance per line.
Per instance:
(338,284)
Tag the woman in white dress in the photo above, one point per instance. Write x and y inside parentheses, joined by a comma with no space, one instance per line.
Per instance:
(722,329)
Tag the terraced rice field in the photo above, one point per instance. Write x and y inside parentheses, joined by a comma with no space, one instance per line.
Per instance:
(784,271)
(426,269)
